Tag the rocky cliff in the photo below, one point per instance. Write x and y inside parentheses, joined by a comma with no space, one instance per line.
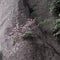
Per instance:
(17,17)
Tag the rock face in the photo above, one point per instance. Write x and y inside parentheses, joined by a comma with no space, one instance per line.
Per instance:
(10,18)
(15,19)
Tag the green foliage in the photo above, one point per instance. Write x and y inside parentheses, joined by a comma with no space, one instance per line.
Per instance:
(27,35)
(43,23)
(55,7)
(56,28)
(38,21)
(57,33)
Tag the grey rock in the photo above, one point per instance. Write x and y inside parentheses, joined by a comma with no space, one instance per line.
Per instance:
(13,17)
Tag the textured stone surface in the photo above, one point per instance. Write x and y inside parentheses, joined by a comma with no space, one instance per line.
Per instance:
(14,21)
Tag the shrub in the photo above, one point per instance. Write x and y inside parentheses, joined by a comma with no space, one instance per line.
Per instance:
(55,7)
(56,28)
(27,35)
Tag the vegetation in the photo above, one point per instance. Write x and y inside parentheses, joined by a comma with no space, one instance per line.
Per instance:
(44,22)
(28,35)
(56,28)
(41,22)
(55,7)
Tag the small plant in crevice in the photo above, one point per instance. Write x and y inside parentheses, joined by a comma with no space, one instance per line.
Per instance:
(27,35)
(41,23)
(44,22)
(55,7)
(38,21)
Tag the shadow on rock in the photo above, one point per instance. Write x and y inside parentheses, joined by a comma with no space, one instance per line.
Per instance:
(1,56)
